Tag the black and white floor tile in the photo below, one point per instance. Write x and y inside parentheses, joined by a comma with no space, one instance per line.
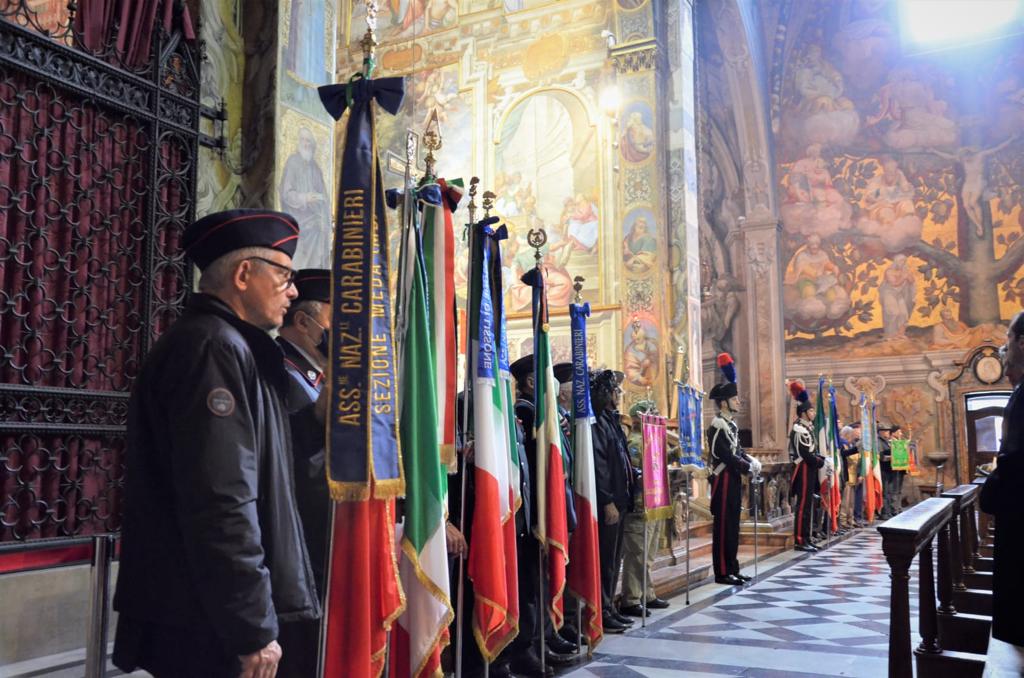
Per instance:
(825,614)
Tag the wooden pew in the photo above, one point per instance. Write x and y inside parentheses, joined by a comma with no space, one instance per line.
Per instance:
(964,612)
(911,534)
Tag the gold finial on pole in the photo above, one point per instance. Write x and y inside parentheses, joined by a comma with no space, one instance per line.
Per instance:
(537,237)
(474,183)
(578,286)
(489,197)
(432,141)
(369,41)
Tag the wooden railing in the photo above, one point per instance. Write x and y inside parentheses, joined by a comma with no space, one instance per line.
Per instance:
(903,538)
(954,619)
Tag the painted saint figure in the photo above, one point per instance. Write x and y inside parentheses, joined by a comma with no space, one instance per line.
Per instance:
(637,140)
(640,248)
(304,195)
(896,294)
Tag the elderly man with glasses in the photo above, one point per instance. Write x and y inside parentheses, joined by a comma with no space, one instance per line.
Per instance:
(213,557)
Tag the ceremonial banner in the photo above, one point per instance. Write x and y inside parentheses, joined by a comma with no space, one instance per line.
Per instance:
(492,549)
(657,499)
(422,630)
(584,578)
(551,529)
(691,437)
(439,259)
(836,486)
(869,467)
(900,455)
(364,469)
(362,438)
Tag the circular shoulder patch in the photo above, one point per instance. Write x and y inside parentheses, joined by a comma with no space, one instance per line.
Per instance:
(221,402)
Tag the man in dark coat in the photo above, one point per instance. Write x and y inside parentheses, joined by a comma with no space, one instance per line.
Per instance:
(304,339)
(1000,497)
(891,486)
(213,556)
(803,451)
(614,475)
(557,650)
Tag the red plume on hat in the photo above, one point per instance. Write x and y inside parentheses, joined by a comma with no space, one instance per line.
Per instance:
(728,367)
(797,390)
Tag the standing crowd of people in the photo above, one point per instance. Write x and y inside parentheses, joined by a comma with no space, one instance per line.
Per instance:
(226,521)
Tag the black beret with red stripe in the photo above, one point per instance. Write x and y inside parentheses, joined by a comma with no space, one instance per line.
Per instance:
(216,234)
(313,284)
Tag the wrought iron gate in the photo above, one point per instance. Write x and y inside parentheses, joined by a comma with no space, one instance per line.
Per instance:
(97,182)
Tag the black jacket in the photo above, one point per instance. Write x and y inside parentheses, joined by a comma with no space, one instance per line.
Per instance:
(612,467)
(1000,496)
(723,443)
(884,455)
(525,413)
(311,492)
(212,541)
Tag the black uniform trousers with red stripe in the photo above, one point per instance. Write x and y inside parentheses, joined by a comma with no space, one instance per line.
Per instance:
(805,479)
(726,495)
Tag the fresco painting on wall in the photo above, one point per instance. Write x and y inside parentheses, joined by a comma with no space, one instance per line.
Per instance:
(427,91)
(900,189)
(307,43)
(547,177)
(304,185)
(641,352)
(399,20)
(636,140)
(639,244)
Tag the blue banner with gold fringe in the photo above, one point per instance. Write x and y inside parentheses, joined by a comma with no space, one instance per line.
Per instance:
(362,436)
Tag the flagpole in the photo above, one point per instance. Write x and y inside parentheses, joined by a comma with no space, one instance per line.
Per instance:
(689,481)
(757,484)
(368,43)
(466,400)
(536,239)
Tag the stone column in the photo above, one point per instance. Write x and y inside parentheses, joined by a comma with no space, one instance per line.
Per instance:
(683,204)
(755,248)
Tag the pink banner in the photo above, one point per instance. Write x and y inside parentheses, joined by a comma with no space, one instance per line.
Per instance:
(657,500)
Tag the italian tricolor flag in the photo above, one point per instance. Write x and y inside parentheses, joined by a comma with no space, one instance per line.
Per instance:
(584,578)
(551,530)
(439,258)
(870,470)
(422,630)
(492,549)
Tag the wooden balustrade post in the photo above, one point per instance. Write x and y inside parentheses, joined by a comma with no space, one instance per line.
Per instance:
(945,580)
(928,623)
(956,556)
(967,537)
(900,655)
(975,530)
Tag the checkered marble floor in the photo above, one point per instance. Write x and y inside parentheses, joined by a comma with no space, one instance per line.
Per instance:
(823,614)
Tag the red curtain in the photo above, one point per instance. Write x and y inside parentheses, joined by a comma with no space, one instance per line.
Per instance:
(135,22)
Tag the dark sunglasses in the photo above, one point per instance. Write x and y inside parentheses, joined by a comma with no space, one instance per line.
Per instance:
(289,272)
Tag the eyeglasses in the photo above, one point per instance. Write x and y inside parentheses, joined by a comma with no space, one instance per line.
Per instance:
(289,272)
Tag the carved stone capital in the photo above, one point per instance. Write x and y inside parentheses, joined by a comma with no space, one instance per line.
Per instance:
(635,58)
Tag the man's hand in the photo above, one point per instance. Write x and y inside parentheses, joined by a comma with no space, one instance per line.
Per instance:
(320,408)
(455,541)
(262,663)
(611,514)
(467,452)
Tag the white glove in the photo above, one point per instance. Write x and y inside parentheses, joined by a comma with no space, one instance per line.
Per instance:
(755,466)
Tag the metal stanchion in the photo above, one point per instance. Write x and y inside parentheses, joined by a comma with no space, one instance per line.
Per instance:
(99,600)
(643,579)
(689,481)
(540,605)
(757,484)
(579,627)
